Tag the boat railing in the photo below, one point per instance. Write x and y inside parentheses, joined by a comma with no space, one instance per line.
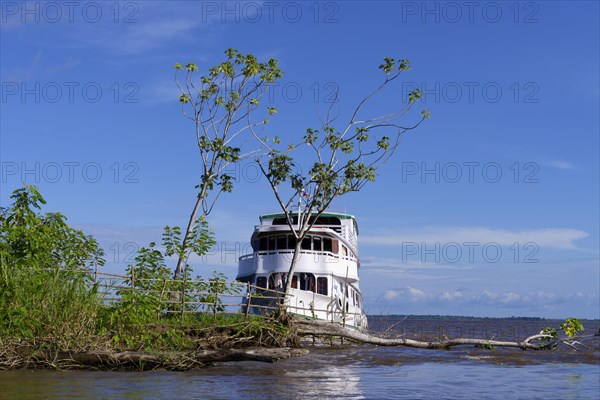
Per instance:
(350,236)
(326,310)
(328,254)
(337,228)
(336,310)
(246,256)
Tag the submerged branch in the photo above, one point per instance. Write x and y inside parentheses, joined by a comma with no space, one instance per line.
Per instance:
(305,327)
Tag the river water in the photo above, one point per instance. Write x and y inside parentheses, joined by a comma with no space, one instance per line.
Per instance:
(353,372)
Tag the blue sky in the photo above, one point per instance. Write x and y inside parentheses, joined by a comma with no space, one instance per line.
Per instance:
(488,209)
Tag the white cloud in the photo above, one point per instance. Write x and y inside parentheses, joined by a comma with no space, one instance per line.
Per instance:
(416,293)
(560,238)
(141,37)
(139,28)
(510,297)
(560,164)
(110,234)
(405,294)
(535,299)
(376,264)
(451,296)
(390,295)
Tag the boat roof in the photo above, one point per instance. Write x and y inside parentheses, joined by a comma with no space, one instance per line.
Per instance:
(325,214)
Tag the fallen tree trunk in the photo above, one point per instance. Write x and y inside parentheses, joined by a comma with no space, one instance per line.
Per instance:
(143,360)
(315,328)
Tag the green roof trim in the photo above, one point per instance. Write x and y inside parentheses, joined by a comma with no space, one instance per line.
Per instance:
(330,214)
(282,215)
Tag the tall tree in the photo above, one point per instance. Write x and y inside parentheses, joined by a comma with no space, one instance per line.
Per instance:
(338,158)
(224,106)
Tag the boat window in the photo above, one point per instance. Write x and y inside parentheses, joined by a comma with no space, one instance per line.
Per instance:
(261,282)
(283,221)
(327,246)
(281,242)
(344,250)
(295,282)
(271,243)
(335,248)
(276,281)
(307,282)
(306,243)
(327,221)
(317,244)
(262,244)
(291,242)
(320,221)
(322,286)
(271,282)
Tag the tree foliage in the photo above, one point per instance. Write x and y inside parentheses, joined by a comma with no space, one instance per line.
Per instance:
(570,326)
(44,285)
(337,157)
(224,106)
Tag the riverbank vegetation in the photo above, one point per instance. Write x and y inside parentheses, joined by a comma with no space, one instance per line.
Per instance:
(51,305)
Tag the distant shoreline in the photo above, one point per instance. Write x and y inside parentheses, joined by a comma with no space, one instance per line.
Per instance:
(469,318)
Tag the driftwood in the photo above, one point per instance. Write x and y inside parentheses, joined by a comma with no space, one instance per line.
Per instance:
(143,360)
(306,327)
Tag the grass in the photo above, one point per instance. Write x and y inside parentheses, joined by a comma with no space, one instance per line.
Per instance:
(44,313)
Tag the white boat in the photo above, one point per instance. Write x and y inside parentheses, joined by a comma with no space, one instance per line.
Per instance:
(325,283)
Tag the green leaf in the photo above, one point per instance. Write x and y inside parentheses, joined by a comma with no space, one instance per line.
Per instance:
(184,98)
(388,65)
(404,65)
(550,332)
(571,327)
(414,95)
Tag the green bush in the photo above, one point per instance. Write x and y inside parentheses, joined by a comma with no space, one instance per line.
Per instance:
(45,285)
(48,298)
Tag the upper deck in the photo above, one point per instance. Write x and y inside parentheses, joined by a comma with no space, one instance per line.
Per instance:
(342,225)
(329,248)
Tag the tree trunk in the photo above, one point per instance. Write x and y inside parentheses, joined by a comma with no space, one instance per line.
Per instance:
(306,327)
(295,257)
(190,228)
